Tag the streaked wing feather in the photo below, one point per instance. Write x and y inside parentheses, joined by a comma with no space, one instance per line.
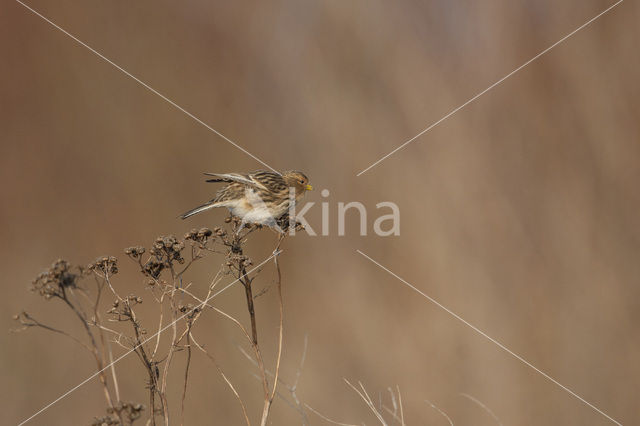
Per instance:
(197,210)
(233,191)
(230,177)
(269,181)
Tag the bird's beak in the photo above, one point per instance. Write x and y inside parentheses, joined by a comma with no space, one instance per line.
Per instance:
(308,188)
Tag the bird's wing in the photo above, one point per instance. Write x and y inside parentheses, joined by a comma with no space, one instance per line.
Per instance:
(261,179)
(231,177)
(268,181)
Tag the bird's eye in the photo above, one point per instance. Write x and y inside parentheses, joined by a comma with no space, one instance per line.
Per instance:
(301,181)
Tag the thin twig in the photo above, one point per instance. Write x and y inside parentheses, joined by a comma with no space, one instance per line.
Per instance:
(116,389)
(172,348)
(105,344)
(322,416)
(291,388)
(280,328)
(367,399)
(483,406)
(400,403)
(393,413)
(94,347)
(161,317)
(186,372)
(221,312)
(293,405)
(224,377)
(393,401)
(439,411)
(35,323)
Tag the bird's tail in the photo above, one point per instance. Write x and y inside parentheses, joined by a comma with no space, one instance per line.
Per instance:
(205,206)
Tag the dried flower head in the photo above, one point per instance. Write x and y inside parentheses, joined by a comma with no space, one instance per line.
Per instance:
(168,248)
(200,236)
(153,268)
(128,411)
(135,252)
(121,309)
(105,265)
(53,281)
(189,309)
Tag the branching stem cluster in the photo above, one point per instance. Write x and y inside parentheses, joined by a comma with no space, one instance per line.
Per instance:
(163,267)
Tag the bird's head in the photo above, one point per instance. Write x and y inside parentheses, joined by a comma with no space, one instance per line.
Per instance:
(297,180)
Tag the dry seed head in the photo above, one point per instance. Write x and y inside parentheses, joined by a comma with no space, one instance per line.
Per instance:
(134,252)
(53,281)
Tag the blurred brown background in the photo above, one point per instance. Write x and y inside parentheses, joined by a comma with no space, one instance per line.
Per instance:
(519,213)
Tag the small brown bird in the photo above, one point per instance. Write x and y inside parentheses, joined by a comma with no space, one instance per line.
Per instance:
(258,197)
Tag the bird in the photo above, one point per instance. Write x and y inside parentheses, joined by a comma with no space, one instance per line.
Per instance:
(259,197)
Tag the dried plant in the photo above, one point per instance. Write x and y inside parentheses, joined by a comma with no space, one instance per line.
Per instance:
(397,412)
(179,308)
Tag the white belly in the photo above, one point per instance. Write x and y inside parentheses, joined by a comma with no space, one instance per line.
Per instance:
(260,215)
(252,209)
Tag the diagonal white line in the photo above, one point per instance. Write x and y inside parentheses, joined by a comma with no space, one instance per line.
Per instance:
(500,345)
(276,253)
(490,87)
(145,85)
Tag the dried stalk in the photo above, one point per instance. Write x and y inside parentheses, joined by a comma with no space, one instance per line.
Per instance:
(269,402)
(224,377)
(60,283)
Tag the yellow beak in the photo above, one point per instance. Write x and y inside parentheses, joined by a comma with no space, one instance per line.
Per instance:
(309,188)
